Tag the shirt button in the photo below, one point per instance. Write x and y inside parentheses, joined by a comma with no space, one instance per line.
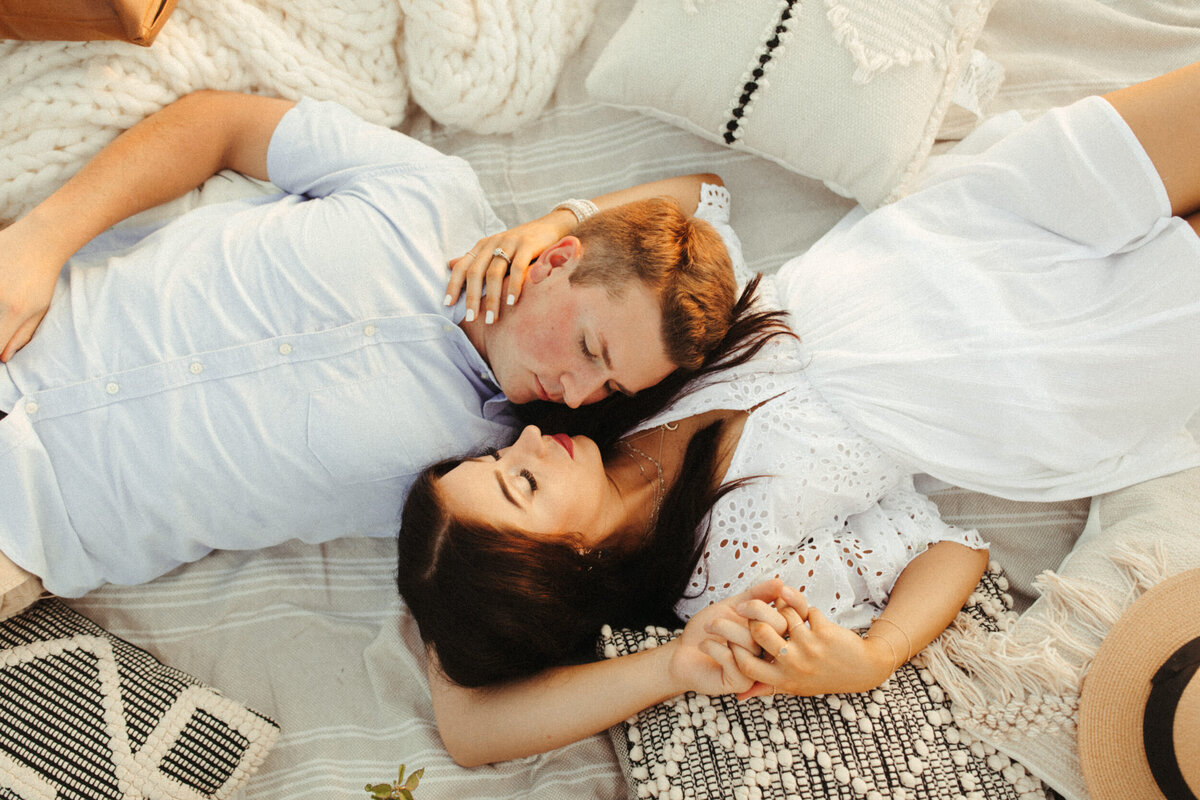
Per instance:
(112,388)
(31,407)
(369,330)
(285,348)
(196,368)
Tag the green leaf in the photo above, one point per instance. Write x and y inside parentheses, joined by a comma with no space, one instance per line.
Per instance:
(414,779)
(400,790)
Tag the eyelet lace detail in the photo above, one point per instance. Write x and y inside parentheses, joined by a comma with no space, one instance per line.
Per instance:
(715,201)
(826,510)
(714,207)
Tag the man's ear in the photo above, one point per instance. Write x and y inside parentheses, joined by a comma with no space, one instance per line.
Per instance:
(556,255)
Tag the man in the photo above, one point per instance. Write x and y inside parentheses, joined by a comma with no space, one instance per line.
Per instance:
(279,367)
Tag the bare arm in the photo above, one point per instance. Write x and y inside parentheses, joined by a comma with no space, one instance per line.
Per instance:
(684,188)
(566,704)
(1164,114)
(927,596)
(549,710)
(823,657)
(525,242)
(159,159)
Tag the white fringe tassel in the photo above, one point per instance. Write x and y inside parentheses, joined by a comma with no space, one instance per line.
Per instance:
(1012,683)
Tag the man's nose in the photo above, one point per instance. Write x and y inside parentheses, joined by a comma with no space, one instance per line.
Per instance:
(579,389)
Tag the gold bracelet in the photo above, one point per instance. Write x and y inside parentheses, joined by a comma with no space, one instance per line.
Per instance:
(891,647)
(903,633)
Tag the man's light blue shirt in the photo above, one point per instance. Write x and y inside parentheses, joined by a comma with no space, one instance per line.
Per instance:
(254,371)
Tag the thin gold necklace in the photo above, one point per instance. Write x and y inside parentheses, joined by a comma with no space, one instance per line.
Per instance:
(661,483)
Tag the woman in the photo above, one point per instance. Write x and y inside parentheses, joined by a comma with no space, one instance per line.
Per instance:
(539,544)
(1017,326)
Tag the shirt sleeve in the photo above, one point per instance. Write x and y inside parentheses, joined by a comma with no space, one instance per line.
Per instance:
(321,147)
(917,525)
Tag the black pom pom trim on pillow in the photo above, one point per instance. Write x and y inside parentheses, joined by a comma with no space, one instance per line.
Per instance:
(751,85)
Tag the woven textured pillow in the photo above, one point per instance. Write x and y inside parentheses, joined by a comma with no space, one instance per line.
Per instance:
(84,714)
(851,92)
(897,742)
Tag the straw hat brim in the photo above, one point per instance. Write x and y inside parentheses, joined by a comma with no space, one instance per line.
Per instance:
(1118,683)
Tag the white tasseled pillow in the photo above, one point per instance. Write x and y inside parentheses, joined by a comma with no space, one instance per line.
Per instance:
(851,92)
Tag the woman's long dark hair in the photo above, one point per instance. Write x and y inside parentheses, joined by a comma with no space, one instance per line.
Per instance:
(498,605)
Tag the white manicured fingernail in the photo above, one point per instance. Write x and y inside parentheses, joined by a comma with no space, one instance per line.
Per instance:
(512,299)
(489,318)
(470,315)
(447,301)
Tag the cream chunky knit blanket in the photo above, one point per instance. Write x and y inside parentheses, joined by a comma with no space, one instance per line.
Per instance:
(483,65)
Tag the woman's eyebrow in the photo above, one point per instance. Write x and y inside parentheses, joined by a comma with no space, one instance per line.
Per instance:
(504,488)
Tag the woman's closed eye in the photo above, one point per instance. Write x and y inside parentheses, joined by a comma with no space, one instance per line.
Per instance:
(527,475)
(524,473)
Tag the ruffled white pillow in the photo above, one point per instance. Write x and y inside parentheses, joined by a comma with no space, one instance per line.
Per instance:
(851,92)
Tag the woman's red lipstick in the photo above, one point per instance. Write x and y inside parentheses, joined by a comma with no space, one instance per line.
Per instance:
(566,442)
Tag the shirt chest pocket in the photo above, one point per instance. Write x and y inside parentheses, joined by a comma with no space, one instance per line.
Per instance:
(384,427)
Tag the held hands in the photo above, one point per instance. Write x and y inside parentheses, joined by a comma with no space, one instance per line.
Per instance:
(703,662)
(785,646)
(482,267)
(28,273)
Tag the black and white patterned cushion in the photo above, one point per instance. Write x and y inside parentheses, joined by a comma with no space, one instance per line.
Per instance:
(897,742)
(84,714)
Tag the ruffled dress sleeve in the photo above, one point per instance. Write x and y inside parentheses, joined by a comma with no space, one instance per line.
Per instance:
(821,508)
(714,208)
